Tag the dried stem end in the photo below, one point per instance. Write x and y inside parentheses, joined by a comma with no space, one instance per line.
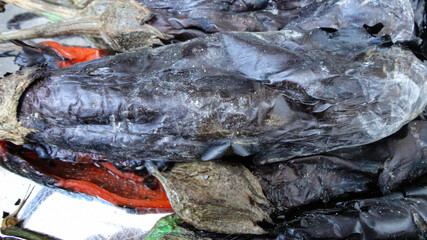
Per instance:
(11,89)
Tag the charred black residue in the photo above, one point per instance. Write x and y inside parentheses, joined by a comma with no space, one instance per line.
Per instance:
(150,182)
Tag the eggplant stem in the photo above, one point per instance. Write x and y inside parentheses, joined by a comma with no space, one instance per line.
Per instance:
(80,26)
(7,220)
(50,11)
(11,89)
(11,224)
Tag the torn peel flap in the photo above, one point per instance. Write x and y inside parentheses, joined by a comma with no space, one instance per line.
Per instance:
(11,89)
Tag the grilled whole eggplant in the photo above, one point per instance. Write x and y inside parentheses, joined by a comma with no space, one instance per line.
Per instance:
(375,169)
(267,97)
(205,194)
(273,96)
(128,25)
(185,19)
(395,216)
(213,196)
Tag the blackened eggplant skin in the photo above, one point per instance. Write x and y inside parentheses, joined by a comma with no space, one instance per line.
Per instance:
(381,166)
(420,29)
(301,181)
(395,216)
(18,165)
(271,95)
(187,19)
(408,159)
(400,158)
(129,25)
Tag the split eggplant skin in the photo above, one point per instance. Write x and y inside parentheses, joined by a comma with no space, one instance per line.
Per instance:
(270,95)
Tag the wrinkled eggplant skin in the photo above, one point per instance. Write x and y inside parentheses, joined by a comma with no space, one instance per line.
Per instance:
(21,167)
(401,215)
(341,14)
(420,29)
(408,159)
(301,181)
(400,158)
(270,95)
(419,9)
(398,215)
(184,19)
(127,26)
(381,166)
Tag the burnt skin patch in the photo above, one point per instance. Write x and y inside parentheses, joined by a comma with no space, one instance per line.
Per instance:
(151,182)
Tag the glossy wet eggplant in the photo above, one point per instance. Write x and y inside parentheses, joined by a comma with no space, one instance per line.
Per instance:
(420,29)
(131,25)
(400,215)
(259,97)
(372,169)
(185,19)
(273,96)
